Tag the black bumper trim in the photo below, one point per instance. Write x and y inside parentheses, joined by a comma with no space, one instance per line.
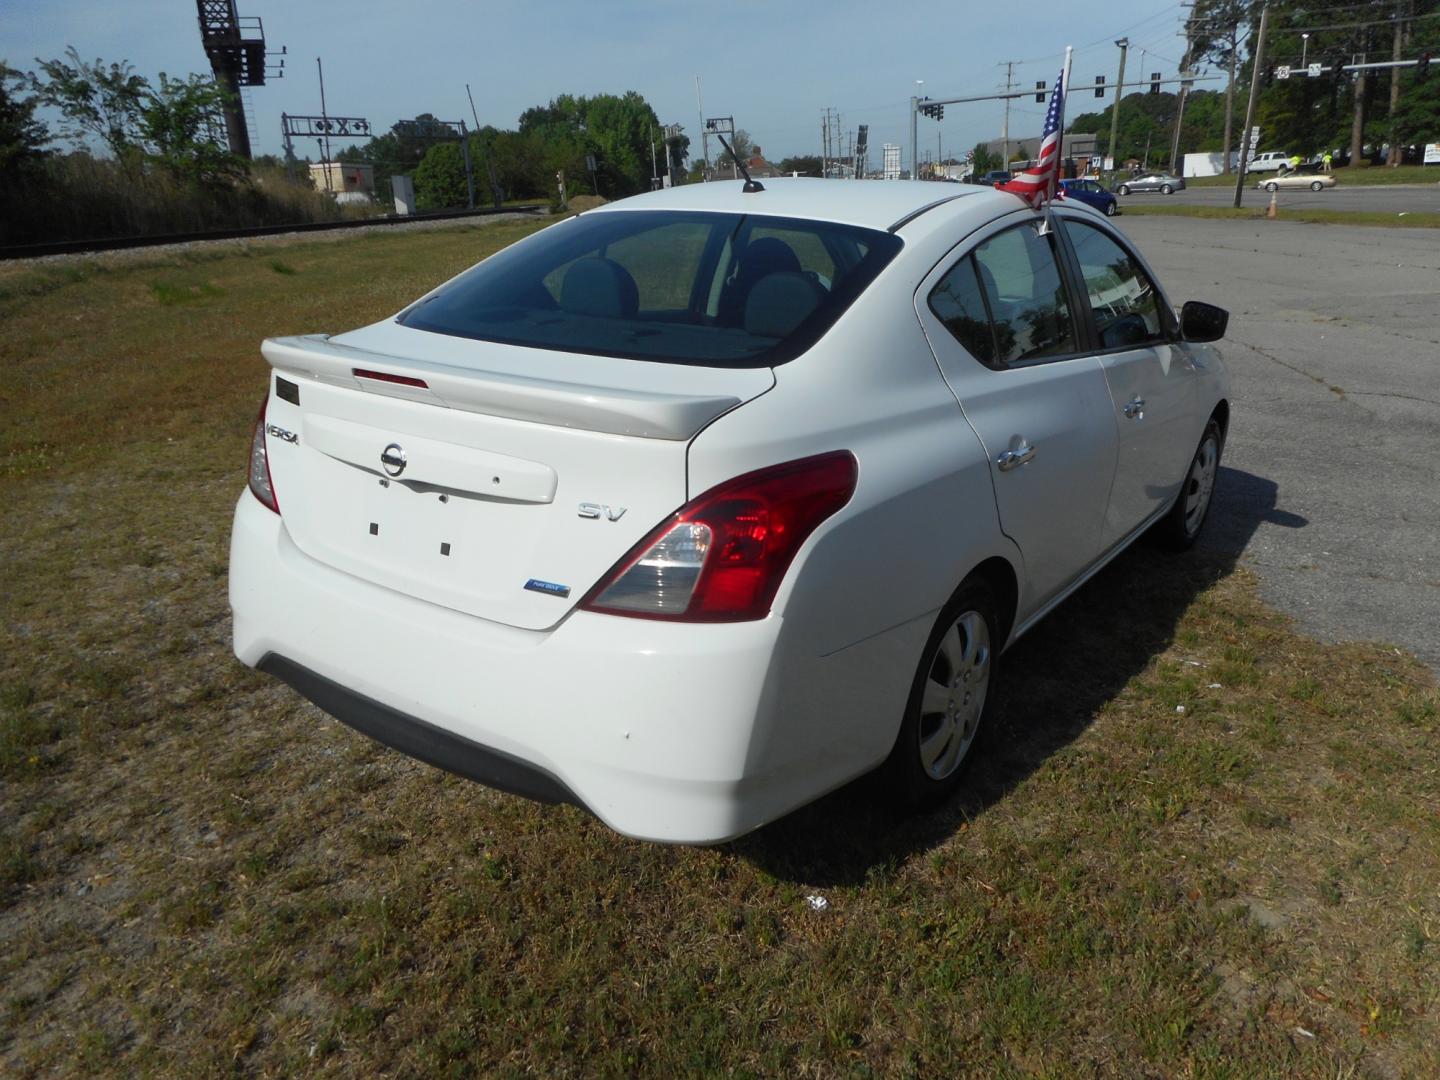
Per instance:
(410,735)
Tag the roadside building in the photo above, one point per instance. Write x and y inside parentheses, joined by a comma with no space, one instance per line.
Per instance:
(339,177)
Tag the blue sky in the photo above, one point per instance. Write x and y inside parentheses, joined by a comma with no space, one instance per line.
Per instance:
(774,66)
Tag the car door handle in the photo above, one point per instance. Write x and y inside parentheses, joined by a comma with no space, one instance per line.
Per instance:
(1135,408)
(1011,459)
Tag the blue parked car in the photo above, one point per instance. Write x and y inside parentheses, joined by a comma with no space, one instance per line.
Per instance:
(1091,193)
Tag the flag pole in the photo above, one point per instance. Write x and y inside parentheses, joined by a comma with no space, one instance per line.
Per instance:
(1054,180)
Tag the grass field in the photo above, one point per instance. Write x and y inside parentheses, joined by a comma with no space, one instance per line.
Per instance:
(1196,844)
(1311,215)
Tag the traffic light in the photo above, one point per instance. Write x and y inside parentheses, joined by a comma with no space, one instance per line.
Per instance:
(1422,66)
(935,112)
(1154,82)
(1039,91)
(1269,76)
(1099,86)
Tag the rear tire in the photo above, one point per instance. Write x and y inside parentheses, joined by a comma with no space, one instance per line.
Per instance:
(950,698)
(1166,189)
(1123,189)
(1180,528)
(1317,186)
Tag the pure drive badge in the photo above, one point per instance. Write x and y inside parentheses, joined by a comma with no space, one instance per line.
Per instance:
(547,587)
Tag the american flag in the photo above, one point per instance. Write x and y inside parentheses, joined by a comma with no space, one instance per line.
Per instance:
(1034,185)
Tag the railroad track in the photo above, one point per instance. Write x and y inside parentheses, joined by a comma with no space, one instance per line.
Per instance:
(118,243)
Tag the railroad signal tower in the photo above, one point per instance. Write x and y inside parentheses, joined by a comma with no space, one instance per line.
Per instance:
(235,45)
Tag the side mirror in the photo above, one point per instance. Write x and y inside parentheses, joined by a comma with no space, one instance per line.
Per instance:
(1200,321)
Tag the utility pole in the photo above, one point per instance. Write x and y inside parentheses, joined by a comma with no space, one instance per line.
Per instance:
(325,119)
(914,139)
(1124,44)
(1005,124)
(497,193)
(704,135)
(1255,69)
(824,143)
(1180,106)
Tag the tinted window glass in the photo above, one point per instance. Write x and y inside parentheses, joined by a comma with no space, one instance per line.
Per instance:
(1126,306)
(696,288)
(957,303)
(1026,296)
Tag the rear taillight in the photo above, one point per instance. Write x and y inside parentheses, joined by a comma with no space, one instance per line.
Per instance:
(261,486)
(722,556)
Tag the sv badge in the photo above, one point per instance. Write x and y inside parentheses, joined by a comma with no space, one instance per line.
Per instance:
(596,510)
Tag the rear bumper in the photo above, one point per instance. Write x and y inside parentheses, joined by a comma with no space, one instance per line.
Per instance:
(413,736)
(670,732)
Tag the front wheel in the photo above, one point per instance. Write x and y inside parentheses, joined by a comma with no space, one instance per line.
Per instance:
(1317,186)
(1166,189)
(1180,528)
(1272,186)
(1123,189)
(950,698)
(1110,209)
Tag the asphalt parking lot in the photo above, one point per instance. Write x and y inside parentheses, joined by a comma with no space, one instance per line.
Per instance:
(1380,198)
(1332,483)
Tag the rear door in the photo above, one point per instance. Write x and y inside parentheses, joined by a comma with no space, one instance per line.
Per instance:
(1150,375)
(1001,321)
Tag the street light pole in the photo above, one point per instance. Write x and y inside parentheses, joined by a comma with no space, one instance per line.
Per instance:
(1124,44)
(915,132)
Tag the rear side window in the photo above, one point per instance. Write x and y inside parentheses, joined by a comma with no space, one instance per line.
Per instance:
(958,303)
(1023,298)
(730,290)
(1123,299)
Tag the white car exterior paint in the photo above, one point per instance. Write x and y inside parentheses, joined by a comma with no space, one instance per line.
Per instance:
(695,732)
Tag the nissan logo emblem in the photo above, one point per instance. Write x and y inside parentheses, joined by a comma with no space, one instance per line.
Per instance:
(392,459)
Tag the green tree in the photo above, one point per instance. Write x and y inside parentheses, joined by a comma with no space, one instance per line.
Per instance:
(805,165)
(983,161)
(94,99)
(744,148)
(22,137)
(440,178)
(616,129)
(1217,30)
(180,127)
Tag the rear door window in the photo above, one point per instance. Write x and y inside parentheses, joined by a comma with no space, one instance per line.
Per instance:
(1025,293)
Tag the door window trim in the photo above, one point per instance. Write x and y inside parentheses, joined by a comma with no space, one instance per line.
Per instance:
(1078,303)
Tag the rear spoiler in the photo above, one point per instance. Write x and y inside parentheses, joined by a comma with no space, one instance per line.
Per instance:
(615,411)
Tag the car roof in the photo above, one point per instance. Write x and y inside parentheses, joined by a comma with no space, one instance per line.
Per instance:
(873,204)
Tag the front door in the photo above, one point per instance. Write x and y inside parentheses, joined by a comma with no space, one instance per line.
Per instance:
(1001,323)
(1151,379)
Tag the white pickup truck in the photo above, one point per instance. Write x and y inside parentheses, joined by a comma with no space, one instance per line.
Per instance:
(1270,161)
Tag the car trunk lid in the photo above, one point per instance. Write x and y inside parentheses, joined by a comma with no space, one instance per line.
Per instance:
(497,481)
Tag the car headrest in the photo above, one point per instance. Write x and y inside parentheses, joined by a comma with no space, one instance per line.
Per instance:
(599,287)
(779,303)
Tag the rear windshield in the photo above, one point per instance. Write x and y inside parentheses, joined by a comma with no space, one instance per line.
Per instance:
(723,290)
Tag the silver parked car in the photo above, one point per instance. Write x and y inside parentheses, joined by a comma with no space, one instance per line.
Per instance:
(1161,182)
(1298,180)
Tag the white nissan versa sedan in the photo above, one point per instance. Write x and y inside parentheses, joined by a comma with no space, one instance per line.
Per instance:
(694,507)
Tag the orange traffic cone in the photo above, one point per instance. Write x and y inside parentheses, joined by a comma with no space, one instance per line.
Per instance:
(1273,212)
